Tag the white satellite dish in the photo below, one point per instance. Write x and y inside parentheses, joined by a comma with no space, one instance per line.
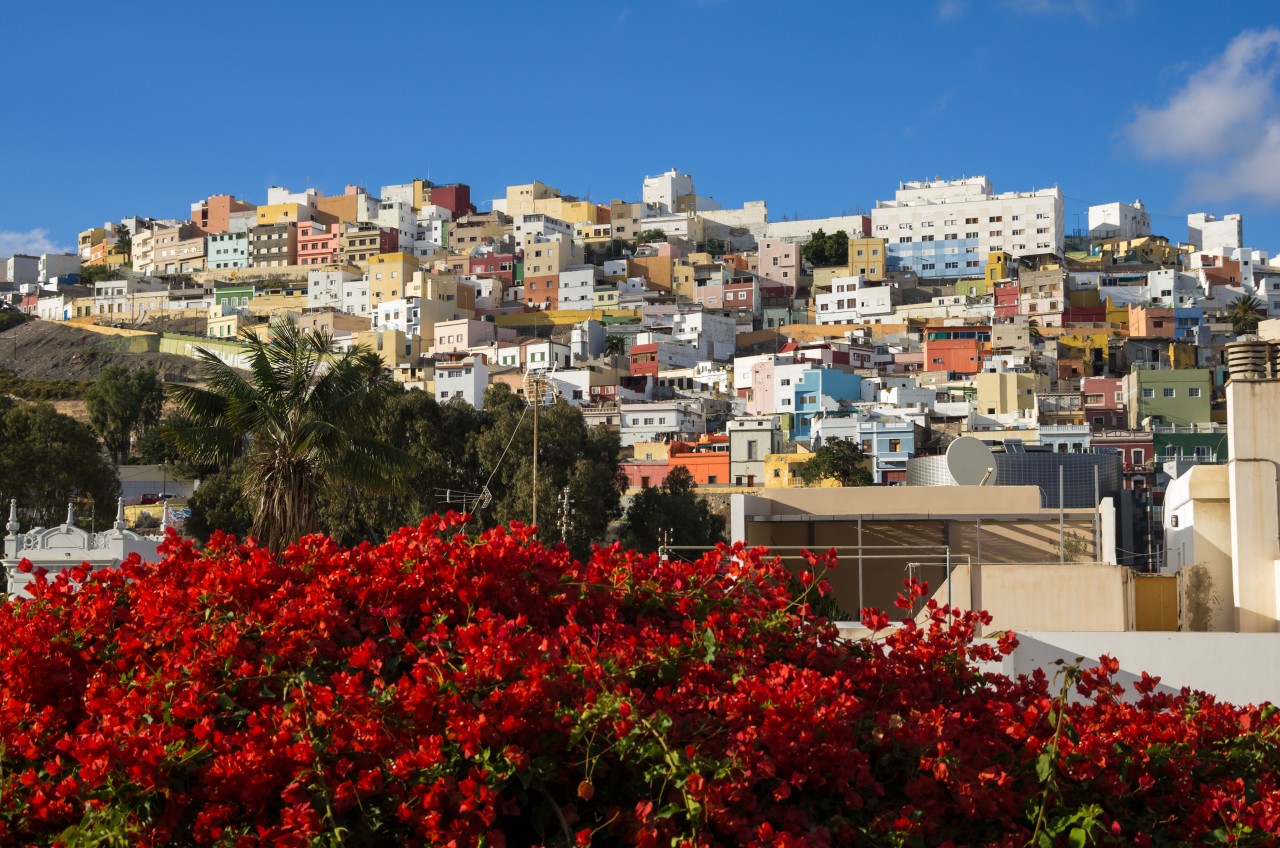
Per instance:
(970,462)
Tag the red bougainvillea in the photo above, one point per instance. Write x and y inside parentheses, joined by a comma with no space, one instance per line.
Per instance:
(441,689)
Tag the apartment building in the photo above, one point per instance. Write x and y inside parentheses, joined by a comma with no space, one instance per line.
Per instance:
(946,228)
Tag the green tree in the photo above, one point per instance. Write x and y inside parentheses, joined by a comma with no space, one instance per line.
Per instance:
(651,235)
(48,459)
(220,504)
(615,345)
(121,405)
(1244,313)
(124,240)
(675,508)
(570,454)
(837,459)
(90,274)
(825,250)
(10,318)
(442,440)
(302,419)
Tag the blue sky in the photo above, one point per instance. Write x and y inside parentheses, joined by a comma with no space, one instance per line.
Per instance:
(817,108)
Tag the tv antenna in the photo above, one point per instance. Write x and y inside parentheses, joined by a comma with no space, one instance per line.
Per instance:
(970,462)
(538,391)
(478,500)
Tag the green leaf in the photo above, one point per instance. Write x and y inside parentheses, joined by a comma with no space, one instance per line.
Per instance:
(1077,837)
(1044,767)
(709,642)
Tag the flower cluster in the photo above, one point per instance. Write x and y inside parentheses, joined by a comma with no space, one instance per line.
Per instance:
(443,689)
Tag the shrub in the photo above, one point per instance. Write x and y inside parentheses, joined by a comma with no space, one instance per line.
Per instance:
(446,689)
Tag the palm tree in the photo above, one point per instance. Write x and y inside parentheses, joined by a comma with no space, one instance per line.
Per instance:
(614,346)
(299,418)
(1244,314)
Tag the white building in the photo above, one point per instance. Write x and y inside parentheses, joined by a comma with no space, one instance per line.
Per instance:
(324,287)
(57,265)
(852,301)
(1215,235)
(538,224)
(465,377)
(355,294)
(713,335)
(662,193)
(577,287)
(21,268)
(751,439)
(461,334)
(946,228)
(667,420)
(1119,220)
(402,314)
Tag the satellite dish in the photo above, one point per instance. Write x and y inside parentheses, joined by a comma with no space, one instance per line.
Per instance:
(971,462)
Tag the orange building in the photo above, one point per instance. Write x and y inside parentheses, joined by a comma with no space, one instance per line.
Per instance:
(214,215)
(961,350)
(707,460)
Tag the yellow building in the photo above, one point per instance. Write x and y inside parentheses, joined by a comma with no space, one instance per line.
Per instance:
(283,213)
(521,199)
(651,451)
(392,346)
(1081,344)
(997,269)
(88,238)
(1116,314)
(1008,393)
(389,276)
(866,258)
(273,302)
(604,298)
(780,471)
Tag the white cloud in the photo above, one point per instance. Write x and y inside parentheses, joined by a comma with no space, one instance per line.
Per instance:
(1221,123)
(33,242)
(949,10)
(1210,115)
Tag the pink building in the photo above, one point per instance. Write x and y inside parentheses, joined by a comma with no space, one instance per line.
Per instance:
(1104,403)
(318,244)
(1150,322)
(780,261)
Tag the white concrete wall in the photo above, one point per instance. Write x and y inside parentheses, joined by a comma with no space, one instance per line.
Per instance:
(1253,408)
(1226,665)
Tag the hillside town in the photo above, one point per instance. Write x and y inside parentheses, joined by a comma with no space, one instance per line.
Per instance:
(1089,361)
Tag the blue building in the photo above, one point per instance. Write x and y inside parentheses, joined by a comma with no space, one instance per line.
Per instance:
(889,442)
(821,390)
(931,259)
(227,250)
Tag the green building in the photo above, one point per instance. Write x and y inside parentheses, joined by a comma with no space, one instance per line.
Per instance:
(1168,396)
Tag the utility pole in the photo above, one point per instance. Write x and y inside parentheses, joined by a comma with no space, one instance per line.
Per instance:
(536,403)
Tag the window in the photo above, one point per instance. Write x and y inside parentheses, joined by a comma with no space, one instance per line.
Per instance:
(712,479)
(952,264)
(971,235)
(1148,393)
(1170,392)
(971,220)
(895,445)
(1194,391)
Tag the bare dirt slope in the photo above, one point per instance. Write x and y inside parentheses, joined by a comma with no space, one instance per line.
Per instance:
(43,350)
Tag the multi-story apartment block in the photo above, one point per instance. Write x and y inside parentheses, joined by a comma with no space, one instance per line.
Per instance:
(324,286)
(1119,220)
(273,245)
(361,242)
(946,228)
(780,261)
(227,250)
(1215,235)
(213,215)
(177,249)
(53,265)
(319,244)
(852,300)
(1167,396)
(465,377)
